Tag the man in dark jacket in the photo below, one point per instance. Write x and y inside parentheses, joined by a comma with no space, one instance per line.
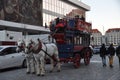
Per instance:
(118,53)
(111,53)
(103,52)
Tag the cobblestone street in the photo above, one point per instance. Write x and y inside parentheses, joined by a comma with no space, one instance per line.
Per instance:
(94,71)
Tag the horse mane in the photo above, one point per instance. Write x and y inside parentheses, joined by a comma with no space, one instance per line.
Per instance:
(39,47)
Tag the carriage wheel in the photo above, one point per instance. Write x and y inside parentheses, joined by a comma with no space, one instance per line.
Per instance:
(77,60)
(87,57)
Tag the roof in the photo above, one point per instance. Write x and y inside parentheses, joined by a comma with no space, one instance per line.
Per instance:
(95,31)
(78,4)
(7,46)
(112,29)
(3,47)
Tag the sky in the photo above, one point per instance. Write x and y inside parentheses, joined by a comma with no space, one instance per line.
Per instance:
(104,14)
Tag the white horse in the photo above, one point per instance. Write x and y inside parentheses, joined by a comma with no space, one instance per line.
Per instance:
(41,52)
(30,61)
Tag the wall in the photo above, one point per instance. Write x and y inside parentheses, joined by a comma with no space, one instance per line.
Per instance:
(23,11)
(10,35)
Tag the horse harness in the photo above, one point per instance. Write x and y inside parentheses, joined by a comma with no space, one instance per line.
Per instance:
(21,47)
(40,49)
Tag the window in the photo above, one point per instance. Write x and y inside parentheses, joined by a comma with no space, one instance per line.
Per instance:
(1,48)
(77,40)
(80,40)
(9,50)
(69,40)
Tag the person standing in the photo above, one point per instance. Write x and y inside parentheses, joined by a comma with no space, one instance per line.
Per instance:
(111,53)
(46,25)
(118,53)
(103,52)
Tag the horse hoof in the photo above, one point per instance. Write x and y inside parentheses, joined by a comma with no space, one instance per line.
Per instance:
(27,72)
(42,75)
(51,71)
(33,72)
(58,70)
(38,74)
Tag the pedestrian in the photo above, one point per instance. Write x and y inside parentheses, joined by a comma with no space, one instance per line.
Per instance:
(103,53)
(118,53)
(82,18)
(111,53)
(46,25)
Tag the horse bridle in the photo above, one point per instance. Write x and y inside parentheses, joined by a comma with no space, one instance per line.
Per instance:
(45,51)
(31,48)
(21,46)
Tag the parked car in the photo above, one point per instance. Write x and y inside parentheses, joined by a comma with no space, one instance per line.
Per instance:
(10,58)
(96,50)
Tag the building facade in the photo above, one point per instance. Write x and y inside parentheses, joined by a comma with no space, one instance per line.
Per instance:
(39,12)
(113,36)
(30,16)
(96,37)
(60,8)
(21,11)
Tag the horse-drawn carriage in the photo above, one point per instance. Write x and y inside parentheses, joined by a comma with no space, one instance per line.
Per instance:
(73,39)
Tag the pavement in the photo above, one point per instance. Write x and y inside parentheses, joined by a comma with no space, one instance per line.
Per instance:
(94,71)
